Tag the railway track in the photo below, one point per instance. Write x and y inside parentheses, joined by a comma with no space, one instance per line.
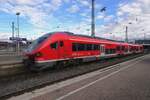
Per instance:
(19,84)
(8,69)
(11,63)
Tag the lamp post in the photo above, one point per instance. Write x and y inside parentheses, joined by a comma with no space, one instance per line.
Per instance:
(126,33)
(13,30)
(144,36)
(13,27)
(18,44)
(93,19)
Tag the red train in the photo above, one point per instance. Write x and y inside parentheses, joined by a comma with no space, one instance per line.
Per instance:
(65,47)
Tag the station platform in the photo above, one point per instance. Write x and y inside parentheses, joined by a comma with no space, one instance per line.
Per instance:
(8,59)
(10,64)
(125,81)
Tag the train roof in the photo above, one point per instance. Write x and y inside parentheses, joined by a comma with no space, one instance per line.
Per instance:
(70,33)
(103,39)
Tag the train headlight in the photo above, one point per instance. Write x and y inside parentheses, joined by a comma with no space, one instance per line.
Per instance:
(25,57)
(39,54)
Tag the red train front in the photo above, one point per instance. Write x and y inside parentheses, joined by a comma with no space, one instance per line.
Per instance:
(44,51)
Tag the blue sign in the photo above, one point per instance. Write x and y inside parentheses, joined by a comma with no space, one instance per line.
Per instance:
(17,39)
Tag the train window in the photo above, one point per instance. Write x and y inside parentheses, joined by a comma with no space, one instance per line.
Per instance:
(129,49)
(137,49)
(118,48)
(107,51)
(74,47)
(81,47)
(78,47)
(110,51)
(123,47)
(61,43)
(114,50)
(84,47)
(126,49)
(89,46)
(101,48)
(37,42)
(54,45)
(96,47)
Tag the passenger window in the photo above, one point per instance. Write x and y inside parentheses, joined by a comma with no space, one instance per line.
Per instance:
(74,47)
(96,47)
(81,47)
(118,48)
(54,45)
(89,46)
(61,43)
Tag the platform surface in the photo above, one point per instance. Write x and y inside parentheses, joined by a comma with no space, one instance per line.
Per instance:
(126,81)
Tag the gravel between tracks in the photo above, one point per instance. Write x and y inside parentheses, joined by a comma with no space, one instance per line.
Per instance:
(30,81)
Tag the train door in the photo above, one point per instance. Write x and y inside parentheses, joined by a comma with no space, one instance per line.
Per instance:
(128,49)
(62,50)
(54,50)
(102,50)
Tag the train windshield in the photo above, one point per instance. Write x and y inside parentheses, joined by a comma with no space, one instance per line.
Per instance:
(38,41)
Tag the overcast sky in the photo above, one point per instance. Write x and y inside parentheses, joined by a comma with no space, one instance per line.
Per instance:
(42,16)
